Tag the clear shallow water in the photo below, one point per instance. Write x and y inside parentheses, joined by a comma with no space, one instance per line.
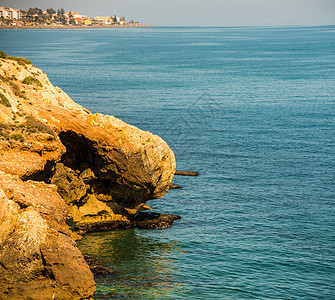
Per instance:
(253,110)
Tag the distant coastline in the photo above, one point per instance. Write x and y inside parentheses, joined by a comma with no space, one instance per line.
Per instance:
(51,19)
(69,26)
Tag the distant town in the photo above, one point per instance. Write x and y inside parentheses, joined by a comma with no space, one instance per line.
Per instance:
(50,18)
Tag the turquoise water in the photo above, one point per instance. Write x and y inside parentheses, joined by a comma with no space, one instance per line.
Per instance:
(253,110)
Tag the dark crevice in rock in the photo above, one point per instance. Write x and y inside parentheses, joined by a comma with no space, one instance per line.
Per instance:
(47,271)
(2,265)
(22,205)
(43,175)
(80,152)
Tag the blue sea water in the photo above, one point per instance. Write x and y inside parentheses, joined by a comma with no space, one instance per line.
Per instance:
(253,110)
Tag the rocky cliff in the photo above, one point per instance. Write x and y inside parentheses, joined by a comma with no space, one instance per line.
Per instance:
(62,168)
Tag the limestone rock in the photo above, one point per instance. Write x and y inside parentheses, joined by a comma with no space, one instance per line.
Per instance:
(126,166)
(146,220)
(59,162)
(38,258)
(71,186)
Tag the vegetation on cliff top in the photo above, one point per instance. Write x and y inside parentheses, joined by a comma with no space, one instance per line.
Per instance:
(21,61)
(20,132)
(11,132)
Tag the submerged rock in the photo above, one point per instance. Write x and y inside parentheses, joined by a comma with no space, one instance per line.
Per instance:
(96,266)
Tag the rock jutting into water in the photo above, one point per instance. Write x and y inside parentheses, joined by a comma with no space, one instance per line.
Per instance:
(147,220)
(186,173)
(63,168)
(143,220)
(175,186)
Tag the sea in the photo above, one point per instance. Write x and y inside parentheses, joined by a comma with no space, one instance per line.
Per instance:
(252,109)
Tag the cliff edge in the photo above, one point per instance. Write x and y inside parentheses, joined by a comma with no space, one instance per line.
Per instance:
(62,169)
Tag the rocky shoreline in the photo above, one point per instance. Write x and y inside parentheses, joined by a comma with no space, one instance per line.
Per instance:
(65,172)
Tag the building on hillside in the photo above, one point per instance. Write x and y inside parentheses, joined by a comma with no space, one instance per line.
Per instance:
(10,13)
(77,19)
(14,14)
(3,12)
(82,20)
(133,23)
(102,20)
(88,22)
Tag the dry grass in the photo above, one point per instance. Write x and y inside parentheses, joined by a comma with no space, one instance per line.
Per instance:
(34,125)
(16,90)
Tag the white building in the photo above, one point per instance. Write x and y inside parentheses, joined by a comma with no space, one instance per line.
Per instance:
(103,20)
(10,13)
(3,12)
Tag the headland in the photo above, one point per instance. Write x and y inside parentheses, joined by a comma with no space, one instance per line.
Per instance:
(65,171)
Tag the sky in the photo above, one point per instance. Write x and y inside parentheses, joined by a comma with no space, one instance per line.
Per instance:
(198,12)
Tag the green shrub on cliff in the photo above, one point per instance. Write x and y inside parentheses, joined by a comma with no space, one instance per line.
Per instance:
(9,132)
(17,137)
(5,79)
(4,101)
(21,61)
(31,80)
(4,128)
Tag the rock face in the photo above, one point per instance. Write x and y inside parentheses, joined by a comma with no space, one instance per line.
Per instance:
(62,167)
(104,167)
(38,257)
